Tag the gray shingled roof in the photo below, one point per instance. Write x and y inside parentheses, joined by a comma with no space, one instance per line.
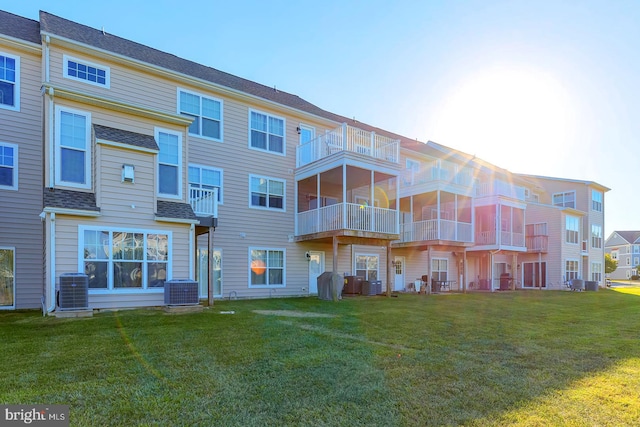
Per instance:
(629,235)
(125,137)
(19,27)
(175,210)
(68,199)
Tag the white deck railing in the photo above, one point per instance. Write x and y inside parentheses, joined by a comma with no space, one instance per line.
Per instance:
(204,202)
(349,216)
(506,238)
(500,188)
(433,229)
(443,171)
(348,138)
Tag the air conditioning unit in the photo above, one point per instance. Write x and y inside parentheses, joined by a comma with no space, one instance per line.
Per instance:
(74,291)
(181,292)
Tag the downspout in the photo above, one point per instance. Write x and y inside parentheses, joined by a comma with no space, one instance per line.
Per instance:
(52,260)
(51,141)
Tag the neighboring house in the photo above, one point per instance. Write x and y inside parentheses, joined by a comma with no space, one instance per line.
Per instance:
(21,234)
(132,152)
(624,247)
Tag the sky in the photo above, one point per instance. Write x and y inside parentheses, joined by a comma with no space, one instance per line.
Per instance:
(537,87)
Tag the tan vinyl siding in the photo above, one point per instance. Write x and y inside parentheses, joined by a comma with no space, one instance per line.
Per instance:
(20,225)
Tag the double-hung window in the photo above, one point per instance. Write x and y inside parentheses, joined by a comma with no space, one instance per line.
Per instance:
(572,229)
(73,148)
(565,200)
(571,269)
(596,236)
(596,200)
(596,271)
(267,267)
(266,132)
(87,72)
(439,268)
(367,266)
(169,163)
(267,193)
(206,113)
(9,81)
(8,166)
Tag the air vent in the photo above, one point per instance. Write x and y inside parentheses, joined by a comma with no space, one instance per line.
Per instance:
(73,291)
(181,292)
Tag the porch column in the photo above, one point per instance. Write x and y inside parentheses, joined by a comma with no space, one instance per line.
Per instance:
(540,270)
(210,267)
(335,254)
(429,278)
(390,268)
(319,226)
(464,270)
(373,203)
(438,211)
(344,194)
(455,209)
(514,271)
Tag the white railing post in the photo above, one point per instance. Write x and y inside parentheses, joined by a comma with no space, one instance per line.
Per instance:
(344,137)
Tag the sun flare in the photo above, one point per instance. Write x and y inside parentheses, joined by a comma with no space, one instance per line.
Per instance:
(501,113)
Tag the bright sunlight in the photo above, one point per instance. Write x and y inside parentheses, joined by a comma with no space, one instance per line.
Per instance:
(509,116)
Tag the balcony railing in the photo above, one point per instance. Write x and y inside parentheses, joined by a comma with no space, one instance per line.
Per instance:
(500,188)
(203,201)
(435,171)
(537,243)
(506,238)
(434,229)
(348,138)
(348,216)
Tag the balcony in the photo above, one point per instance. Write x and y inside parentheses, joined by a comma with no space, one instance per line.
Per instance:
(537,244)
(203,201)
(434,229)
(347,216)
(500,188)
(348,139)
(437,171)
(488,238)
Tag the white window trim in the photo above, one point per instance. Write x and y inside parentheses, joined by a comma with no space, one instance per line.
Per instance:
(208,97)
(355,263)
(284,194)
(577,271)
(284,267)
(566,230)
(597,238)
(13,306)
(65,69)
(88,150)
(156,133)
(110,289)
(16,94)
(220,189)
(13,187)
(600,201)
(284,133)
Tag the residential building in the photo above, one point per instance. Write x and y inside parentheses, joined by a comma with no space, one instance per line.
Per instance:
(624,248)
(137,167)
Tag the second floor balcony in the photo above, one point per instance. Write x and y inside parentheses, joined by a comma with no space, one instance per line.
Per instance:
(500,188)
(348,139)
(347,216)
(204,201)
(436,230)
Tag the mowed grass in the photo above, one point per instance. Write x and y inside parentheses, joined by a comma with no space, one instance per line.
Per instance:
(514,358)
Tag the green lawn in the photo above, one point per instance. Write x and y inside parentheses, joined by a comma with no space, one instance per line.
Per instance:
(513,358)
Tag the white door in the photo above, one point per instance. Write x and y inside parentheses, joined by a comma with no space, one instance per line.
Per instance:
(316,268)
(398,282)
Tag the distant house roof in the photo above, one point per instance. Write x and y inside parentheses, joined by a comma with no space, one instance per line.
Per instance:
(19,27)
(69,199)
(125,137)
(175,210)
(551,178)
(630,236)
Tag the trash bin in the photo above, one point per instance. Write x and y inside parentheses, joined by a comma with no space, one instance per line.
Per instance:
(590,285)
(505,281)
